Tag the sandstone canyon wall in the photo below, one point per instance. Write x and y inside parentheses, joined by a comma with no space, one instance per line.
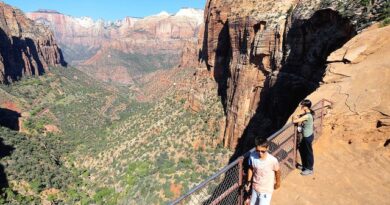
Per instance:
(122,50)
(26,49)
(266,56)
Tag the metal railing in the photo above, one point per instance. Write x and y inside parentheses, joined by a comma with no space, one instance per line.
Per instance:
(226,186)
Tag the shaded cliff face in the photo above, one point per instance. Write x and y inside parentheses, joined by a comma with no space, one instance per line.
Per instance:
(358,124)
(266,56)
(26,49)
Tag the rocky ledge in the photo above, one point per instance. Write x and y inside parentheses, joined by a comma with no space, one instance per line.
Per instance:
(266,56)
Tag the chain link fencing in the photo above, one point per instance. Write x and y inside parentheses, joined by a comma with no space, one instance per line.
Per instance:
(226,186)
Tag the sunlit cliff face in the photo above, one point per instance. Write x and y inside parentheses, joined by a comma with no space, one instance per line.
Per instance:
(267,56)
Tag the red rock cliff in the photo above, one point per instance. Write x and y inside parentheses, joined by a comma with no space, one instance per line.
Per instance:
(26,49)
(125,49)
(266,56)
(83,37)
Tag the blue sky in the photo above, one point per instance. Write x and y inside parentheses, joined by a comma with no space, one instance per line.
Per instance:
(107,9)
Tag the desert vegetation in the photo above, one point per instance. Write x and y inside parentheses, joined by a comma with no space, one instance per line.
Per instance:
(106,148)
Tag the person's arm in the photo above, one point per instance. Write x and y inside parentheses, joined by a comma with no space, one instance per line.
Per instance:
(277,179)
(297,119)
(250,174)
(277,174)
(249,179)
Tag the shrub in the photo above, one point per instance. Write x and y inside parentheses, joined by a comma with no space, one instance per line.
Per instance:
(385,22)
(365,2)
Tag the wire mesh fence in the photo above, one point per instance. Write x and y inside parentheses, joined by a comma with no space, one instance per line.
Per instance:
(222,188)
(226,186)
(282,146)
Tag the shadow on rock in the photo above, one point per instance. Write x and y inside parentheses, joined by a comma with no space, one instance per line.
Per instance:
(5,150)
(9,119)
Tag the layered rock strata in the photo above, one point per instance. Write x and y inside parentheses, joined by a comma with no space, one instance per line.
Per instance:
(161,32)
(131,46)
(266,56)
(26,49)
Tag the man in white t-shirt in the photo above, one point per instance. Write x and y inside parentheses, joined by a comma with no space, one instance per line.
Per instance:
(263,174)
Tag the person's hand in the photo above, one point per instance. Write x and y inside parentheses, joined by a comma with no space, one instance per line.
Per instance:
(293,118)
(247,186)
(277,185)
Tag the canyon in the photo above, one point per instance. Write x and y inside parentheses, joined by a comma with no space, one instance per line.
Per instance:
(205,84)
(121,51)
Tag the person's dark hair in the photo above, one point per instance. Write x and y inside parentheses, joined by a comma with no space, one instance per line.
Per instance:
(261,142)
(307,103)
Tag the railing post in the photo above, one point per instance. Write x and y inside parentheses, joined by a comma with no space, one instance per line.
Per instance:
(240,180)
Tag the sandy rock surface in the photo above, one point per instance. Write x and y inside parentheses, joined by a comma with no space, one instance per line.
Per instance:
(352,157)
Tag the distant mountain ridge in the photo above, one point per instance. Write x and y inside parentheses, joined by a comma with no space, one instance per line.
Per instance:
(63,25)
(103,48)
(47,11)
(185,11)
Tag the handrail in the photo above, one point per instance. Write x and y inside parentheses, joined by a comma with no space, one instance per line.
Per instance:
(240,159)
(223,170)
(288,125)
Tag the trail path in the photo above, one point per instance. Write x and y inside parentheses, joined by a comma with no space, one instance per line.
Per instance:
(345,174)
(352,165)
